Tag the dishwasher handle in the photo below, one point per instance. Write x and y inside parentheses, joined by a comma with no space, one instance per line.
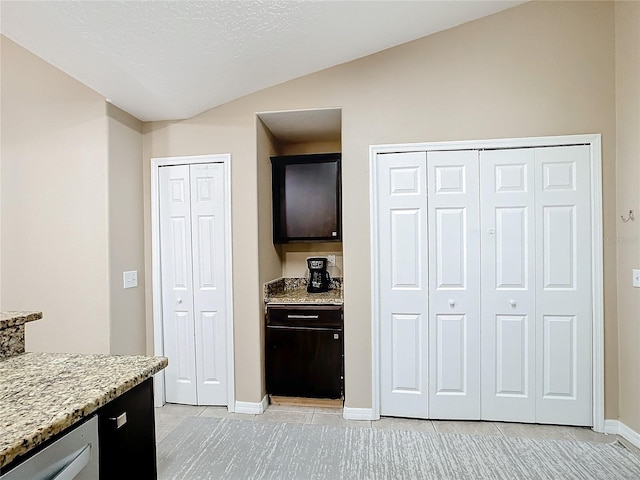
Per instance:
(77,464)
(306,317)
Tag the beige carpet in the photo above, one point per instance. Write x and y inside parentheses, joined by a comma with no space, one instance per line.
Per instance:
(207,448)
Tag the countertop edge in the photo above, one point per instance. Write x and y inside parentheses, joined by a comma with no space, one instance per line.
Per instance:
(72,414)
(13,318)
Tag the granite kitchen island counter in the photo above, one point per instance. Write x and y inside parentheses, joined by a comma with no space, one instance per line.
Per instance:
(42,394)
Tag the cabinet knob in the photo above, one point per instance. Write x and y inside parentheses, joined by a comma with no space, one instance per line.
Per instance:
(452,302)
(179,300)
(512,303)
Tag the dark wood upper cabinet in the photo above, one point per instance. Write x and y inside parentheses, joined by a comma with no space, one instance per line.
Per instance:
(306,198)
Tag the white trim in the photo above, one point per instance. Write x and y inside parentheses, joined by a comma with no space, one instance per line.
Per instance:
(350,413)
(252,408)
(616,427)
(594,140)
(156,163)
(375,282)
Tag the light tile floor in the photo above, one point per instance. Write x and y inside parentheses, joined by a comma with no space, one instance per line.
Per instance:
(170,415)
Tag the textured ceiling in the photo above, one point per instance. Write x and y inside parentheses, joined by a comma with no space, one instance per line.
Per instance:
(161,60)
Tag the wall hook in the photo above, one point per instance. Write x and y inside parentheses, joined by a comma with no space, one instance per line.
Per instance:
(629,217)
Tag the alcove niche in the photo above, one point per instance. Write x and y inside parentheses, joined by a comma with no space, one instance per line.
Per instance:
(292,132)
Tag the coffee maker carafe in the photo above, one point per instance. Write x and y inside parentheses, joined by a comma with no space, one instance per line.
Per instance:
(319,278)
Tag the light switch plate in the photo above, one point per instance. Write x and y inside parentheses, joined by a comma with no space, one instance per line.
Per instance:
(636,277)
(130,279)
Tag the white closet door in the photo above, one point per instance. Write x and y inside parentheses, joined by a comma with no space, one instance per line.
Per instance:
(177,291)
(402,260)
(508,285)
(207,219)
(454,285)
(563,278)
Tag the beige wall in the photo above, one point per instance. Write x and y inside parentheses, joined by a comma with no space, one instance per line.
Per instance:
(126,233)
(54,204)
(544,68)
(269,255)
(294,262)
(627,16)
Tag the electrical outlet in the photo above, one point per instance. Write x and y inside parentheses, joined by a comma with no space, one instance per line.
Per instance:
(130,279)
(331,260)
(636,277)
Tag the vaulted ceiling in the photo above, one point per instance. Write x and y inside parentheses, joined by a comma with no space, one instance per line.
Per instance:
(161,60)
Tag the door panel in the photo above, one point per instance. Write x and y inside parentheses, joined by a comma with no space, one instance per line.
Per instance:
(512,355)
(508,285)
(450,249)
(559,357)
(563,297)
(512,248)
(402,260)
(454,280)
(559,253)
(405,247)
(406,356)
(177,291)
(207,217)
(451,354)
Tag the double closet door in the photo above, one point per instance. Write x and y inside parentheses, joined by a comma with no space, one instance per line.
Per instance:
(485,284)
(192,257)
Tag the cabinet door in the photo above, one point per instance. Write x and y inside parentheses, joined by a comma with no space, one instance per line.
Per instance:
(127,437)
(304,362)
(306,198)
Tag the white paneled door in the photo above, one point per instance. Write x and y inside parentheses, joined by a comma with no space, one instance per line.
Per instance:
(454,284)
(500,328)
(508,284)
(563,286)
(402,217)
(193,283)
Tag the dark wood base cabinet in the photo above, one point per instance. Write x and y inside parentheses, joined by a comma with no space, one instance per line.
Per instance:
(126,431)
(304,351)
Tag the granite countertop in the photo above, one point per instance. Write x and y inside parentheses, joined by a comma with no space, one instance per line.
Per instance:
(12,329)
(294,290)
(11,319)
(42,394)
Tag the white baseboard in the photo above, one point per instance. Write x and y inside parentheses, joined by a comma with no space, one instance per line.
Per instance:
(252,408)
(350,413)
(616,427)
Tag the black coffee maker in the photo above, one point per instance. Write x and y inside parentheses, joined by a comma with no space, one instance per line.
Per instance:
(319,279)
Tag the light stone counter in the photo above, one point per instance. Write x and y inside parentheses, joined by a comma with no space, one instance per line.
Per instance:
(12,331)
(294,290)
(42,394)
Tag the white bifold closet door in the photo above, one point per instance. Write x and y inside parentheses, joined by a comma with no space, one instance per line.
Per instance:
(402,263)
(454,284)
(536,281)
(193,283)
(485,284)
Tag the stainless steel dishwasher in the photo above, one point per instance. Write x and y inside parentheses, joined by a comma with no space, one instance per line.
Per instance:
(72,456)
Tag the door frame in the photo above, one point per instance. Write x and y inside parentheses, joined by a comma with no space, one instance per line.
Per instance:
(597,252)
(156,163)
